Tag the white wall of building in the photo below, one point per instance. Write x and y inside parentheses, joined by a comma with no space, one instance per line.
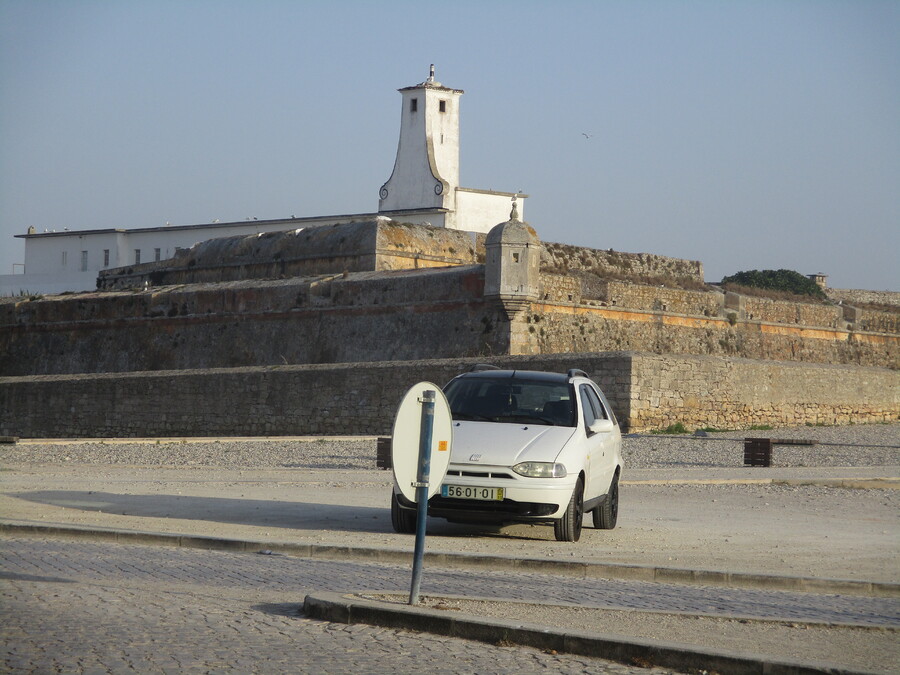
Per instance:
(71,252)
(480,210)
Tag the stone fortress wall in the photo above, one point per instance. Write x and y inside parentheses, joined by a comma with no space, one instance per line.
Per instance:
(402,307)
(380,292)
(850,296)
(647,391)
(364,245)
(376,316)
(367,316)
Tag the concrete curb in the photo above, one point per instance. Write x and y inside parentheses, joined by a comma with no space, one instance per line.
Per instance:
(581,570)
(851,483)
(341,608)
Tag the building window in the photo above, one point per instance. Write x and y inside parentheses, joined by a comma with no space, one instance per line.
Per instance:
(442,106)
(106,257)
(65,258)
(84,261)
(413,104)
(137,256)
(156,254)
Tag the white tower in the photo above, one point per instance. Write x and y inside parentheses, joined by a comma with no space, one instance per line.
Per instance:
(426,170)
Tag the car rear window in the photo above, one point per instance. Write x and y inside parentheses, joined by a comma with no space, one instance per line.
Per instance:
(511,400)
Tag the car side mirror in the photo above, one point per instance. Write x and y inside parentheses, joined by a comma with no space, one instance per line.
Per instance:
(601,426)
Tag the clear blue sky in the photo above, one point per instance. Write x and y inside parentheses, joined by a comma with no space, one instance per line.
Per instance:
(746,134)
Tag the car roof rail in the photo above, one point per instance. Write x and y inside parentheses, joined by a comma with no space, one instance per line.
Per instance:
(478,367)
(576,372)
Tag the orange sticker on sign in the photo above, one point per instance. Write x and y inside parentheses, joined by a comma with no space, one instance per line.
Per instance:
(442,446)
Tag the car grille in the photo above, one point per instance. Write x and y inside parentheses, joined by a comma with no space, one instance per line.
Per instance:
(480,474)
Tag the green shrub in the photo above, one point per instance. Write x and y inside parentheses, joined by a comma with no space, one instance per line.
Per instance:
(787,281)
(677,428)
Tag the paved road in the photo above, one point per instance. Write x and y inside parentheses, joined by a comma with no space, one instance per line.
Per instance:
(85,607)
(105,608)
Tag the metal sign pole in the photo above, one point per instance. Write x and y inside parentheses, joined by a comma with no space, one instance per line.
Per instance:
(421,485)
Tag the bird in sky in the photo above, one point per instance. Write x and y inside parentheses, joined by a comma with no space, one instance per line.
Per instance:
(586,135)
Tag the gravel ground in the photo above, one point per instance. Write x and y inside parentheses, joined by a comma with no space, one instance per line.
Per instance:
(230,454)
(858,445)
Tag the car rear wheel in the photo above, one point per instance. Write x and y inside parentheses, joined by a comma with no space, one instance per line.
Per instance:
(607,513)
(403,520)
(568,528)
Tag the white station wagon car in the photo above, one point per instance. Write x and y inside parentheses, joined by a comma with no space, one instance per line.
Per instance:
(528,446)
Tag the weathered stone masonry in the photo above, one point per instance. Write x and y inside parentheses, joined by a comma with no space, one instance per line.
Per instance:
(647,391)
(362,317)
(564,327)
(237,356)
(413,314)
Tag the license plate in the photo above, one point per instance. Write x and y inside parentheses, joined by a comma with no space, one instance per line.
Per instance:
(471,492)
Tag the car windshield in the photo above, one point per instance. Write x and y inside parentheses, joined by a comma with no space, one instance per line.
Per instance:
(511,400)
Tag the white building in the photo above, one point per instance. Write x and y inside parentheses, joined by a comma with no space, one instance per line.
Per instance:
(426,171)
(423,188)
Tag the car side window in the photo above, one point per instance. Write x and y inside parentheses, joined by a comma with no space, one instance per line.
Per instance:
(599,408)
(591,406)
(586,410)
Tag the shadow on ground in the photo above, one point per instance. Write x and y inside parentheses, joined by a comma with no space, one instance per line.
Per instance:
(297,515)
(269,513)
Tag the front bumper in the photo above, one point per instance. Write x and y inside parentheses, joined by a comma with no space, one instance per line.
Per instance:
(525,499)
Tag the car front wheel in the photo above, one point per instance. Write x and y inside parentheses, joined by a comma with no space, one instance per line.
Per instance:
(607,513)
(568,528)
(403,520)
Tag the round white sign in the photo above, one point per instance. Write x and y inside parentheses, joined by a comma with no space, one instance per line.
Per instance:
(405,441)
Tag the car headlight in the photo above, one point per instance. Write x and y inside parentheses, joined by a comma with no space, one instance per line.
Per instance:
(540,469)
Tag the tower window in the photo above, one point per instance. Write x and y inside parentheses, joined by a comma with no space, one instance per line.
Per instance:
(413,104)
(106,257)
(65,257)
(156,254)
(442,106)
(84,261)
(137,256)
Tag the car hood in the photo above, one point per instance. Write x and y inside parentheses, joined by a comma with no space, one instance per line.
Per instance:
(496,444)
